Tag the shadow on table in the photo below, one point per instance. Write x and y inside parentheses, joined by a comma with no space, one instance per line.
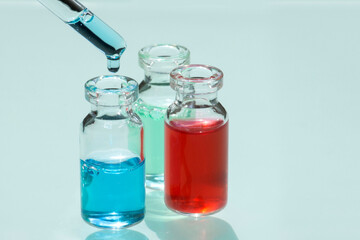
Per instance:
(171,226)
(123,234)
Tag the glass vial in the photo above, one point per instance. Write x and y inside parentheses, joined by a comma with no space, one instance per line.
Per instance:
(155,97)
(112,163)
(196,142)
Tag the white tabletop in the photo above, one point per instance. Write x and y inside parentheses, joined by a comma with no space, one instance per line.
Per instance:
(291,88)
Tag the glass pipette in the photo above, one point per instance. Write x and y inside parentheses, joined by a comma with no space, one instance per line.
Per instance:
(91,27)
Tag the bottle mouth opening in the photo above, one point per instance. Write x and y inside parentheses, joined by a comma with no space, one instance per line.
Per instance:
(122,88)
(111,84)
(197,73)
(170,53)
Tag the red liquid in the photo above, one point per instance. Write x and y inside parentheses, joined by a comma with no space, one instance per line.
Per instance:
(196,162)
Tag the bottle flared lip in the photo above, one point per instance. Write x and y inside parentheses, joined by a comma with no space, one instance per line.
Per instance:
(197,73)
(164,53)
(126,85)
(111,90)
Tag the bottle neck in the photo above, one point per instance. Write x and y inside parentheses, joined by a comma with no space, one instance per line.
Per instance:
(157,78)
(118,110)
(199,98)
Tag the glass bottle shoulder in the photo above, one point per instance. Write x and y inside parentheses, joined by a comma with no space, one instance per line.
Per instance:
(192,112)
(108,122)
(154,101)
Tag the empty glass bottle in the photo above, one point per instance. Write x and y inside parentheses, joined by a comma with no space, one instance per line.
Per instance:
(196,142)
(155,96)
(112,163)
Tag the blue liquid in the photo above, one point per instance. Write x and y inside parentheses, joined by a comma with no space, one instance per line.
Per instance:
(113,191)
(102,36)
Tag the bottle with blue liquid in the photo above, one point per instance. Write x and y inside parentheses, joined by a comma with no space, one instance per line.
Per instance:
(111,157)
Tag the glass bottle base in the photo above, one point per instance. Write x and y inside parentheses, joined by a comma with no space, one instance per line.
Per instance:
(195,215)
(194,207)
(155,182)
(113,220)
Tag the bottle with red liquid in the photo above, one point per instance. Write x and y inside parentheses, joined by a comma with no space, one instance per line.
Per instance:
(196,142)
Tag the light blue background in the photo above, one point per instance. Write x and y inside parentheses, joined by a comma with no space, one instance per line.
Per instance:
(291,88)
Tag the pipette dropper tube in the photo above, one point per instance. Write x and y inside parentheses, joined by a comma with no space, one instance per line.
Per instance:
(66,10)
(91,27)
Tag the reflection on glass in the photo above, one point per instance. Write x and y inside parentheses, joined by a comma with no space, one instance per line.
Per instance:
(123,234)
(156,208)
(168,225)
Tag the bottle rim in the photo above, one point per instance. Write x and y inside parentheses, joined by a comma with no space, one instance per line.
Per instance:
(197,73)
(170,53)
(124,87)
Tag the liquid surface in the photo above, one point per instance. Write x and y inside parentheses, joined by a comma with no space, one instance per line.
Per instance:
(101,36)
(112,190)
(153,125)
(196,161)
